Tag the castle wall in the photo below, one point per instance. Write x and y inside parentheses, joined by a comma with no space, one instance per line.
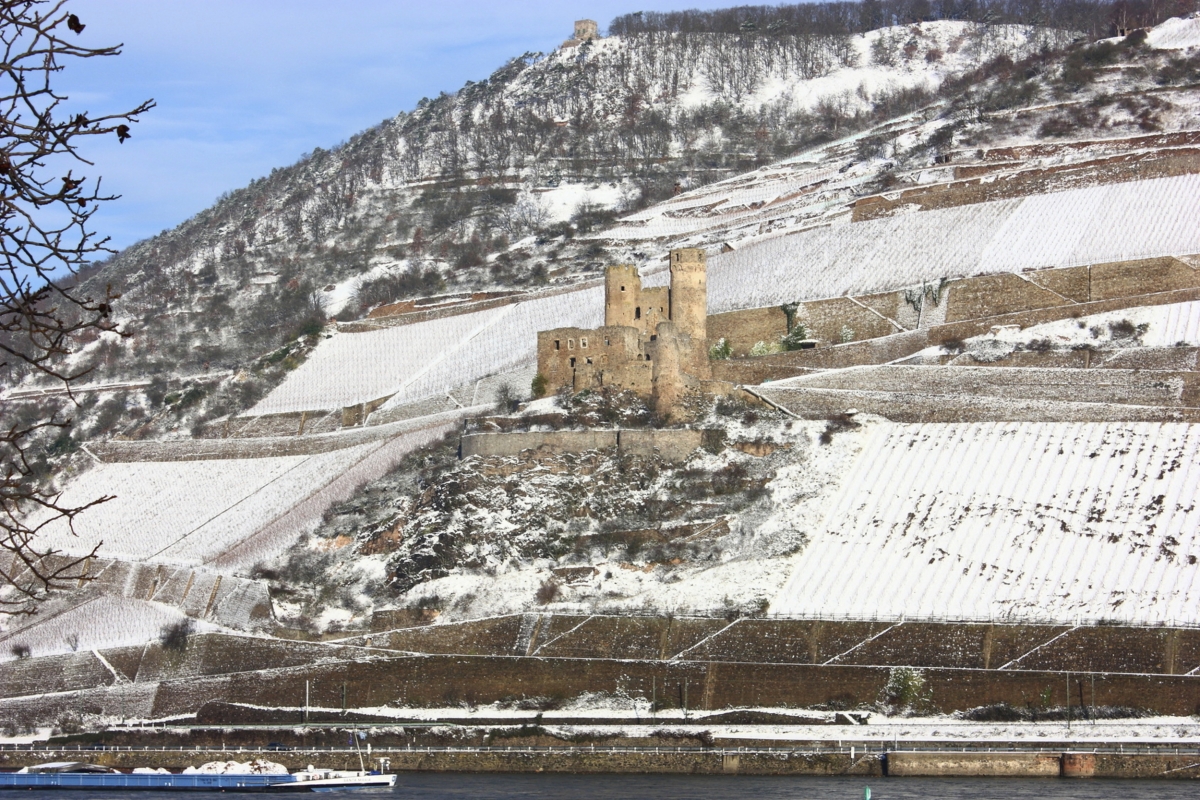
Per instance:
(589,359)
(1053,291)
(742,329)
(550,442)
(668,377)
(672,445)
(655,308)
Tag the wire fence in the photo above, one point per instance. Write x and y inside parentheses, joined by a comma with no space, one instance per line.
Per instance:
(842,747)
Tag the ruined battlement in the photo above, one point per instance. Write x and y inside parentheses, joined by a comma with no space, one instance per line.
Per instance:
(654,340)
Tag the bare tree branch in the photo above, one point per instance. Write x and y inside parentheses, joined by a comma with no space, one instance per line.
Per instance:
(45,238)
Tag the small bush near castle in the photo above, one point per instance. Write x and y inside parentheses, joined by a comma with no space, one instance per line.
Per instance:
(798,334)
(1124,329)
(21,650)
(721,350)
(539,385)
(953,345)
(506,400)
(766,348)
(836,424)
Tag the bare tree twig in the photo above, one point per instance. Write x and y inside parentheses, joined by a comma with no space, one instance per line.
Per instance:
(45,238)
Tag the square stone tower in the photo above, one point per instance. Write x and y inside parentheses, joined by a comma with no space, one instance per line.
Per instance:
(654,340)
(586,30)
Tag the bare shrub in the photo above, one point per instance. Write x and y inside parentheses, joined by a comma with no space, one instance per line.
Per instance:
(1040,346)
(953,345)
(837,424)
(21,650)
(1124,329)
(175,635)
(507,400)
(548,591)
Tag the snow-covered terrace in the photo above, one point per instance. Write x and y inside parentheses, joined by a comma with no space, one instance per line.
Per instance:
(227,513)
(1041,522)
(1117,222)
(427,359)
(1095,225)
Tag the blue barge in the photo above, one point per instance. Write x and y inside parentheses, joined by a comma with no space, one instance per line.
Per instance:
(75,775)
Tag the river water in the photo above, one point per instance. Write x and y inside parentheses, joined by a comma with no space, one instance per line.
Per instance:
(456,786)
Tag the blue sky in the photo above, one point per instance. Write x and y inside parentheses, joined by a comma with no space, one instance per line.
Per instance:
(246,86)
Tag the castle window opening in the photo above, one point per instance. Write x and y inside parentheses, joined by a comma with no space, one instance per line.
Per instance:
(587,361)
(572,363)
(583,343)
(570,344)
(558,344)
(622,288)
(637,313)
(654,337)
(607,342)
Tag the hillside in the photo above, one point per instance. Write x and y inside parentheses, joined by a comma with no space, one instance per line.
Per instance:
(959,350)
(384,217)
(485,188)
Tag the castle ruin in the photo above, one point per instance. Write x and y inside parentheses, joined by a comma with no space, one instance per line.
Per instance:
(586,30)
(654,341)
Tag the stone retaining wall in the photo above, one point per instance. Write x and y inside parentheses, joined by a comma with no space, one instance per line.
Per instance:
(671,444)
(912,407)
(269,447)
(662,760)
(971,765)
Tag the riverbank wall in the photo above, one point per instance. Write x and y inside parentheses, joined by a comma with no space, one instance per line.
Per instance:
(666,760)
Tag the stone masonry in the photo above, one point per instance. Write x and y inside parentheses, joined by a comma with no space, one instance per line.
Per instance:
(654,340)
(586,30)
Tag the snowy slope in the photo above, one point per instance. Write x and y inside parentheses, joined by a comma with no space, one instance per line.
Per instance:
(228,513)
(1167,325)
(1052,522)
(1099,224)
(101,622)
(1094,225)
(188,512)
(425,359)
(1177,33)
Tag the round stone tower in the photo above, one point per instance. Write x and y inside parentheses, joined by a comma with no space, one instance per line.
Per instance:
(622,295)
(689,294)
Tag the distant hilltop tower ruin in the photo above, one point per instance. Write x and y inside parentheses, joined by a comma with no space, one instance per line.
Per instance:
(586,30)
(654,341)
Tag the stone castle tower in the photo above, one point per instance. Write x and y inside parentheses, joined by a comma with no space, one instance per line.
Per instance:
(689,304)
(654,340)
(586,30)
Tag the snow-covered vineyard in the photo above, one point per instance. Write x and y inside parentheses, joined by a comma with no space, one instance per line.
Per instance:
(413,362)
(226,512)
(1035,521)
(1069,523)
(1095,225)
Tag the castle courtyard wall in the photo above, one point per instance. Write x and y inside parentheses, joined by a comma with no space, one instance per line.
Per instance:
(672,444)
